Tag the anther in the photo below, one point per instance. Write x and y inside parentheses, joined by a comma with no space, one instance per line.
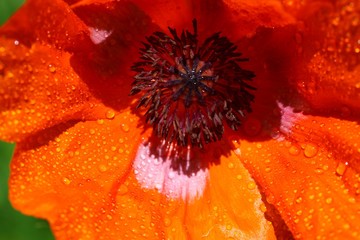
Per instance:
(191,89)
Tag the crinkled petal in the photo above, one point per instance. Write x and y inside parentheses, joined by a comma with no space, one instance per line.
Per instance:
(49,21)
(329,77)
(248,16)
(71,173)
(312,177)
(332,87)
(116,30)
(40,89)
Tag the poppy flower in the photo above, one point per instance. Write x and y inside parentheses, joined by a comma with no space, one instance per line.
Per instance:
(278,159)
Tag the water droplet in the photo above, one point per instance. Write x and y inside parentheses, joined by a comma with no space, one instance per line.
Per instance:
(100,121)
(102,168)
(299,213)
(52,68)
(328,200)
(231,165)
(66,181)
(293,150)
(310,150)
(341,168)
(125,127)
(110,114)
(263,207)
(251,186)
(299,200)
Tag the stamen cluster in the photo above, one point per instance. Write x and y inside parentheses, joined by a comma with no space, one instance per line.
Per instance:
(188,89)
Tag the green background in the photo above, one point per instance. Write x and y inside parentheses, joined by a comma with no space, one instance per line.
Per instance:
(14,225)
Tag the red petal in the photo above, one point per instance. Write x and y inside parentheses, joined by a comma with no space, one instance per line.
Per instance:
(166,13)
(329,76)
(40,89)
(246,17)
(49,21)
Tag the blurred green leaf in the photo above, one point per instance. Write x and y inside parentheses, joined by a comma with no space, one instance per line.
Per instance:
(14,225)
(8,7)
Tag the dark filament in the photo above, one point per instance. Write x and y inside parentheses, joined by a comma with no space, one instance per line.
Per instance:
(188,89)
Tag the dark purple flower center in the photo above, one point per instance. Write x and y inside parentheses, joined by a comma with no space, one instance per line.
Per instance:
(188,89)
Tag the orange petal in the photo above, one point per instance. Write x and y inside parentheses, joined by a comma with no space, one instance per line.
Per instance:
(231,206)
(40,89)
(204,195)
(306,179)
(70,175)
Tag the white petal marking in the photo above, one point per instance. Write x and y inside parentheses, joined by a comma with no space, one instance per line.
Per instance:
(154,172)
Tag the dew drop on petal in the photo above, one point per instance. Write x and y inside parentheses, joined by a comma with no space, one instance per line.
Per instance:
(52,68)
(110,114)
(263,207)
(102,168)
(329,200)
(66,181)
(341,168)
(251,186)
(319,170)
(293,150)
(310,150)
(125,127)
(268,169)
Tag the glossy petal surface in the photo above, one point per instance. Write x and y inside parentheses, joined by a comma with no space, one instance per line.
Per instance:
(86,161)
(321,194)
